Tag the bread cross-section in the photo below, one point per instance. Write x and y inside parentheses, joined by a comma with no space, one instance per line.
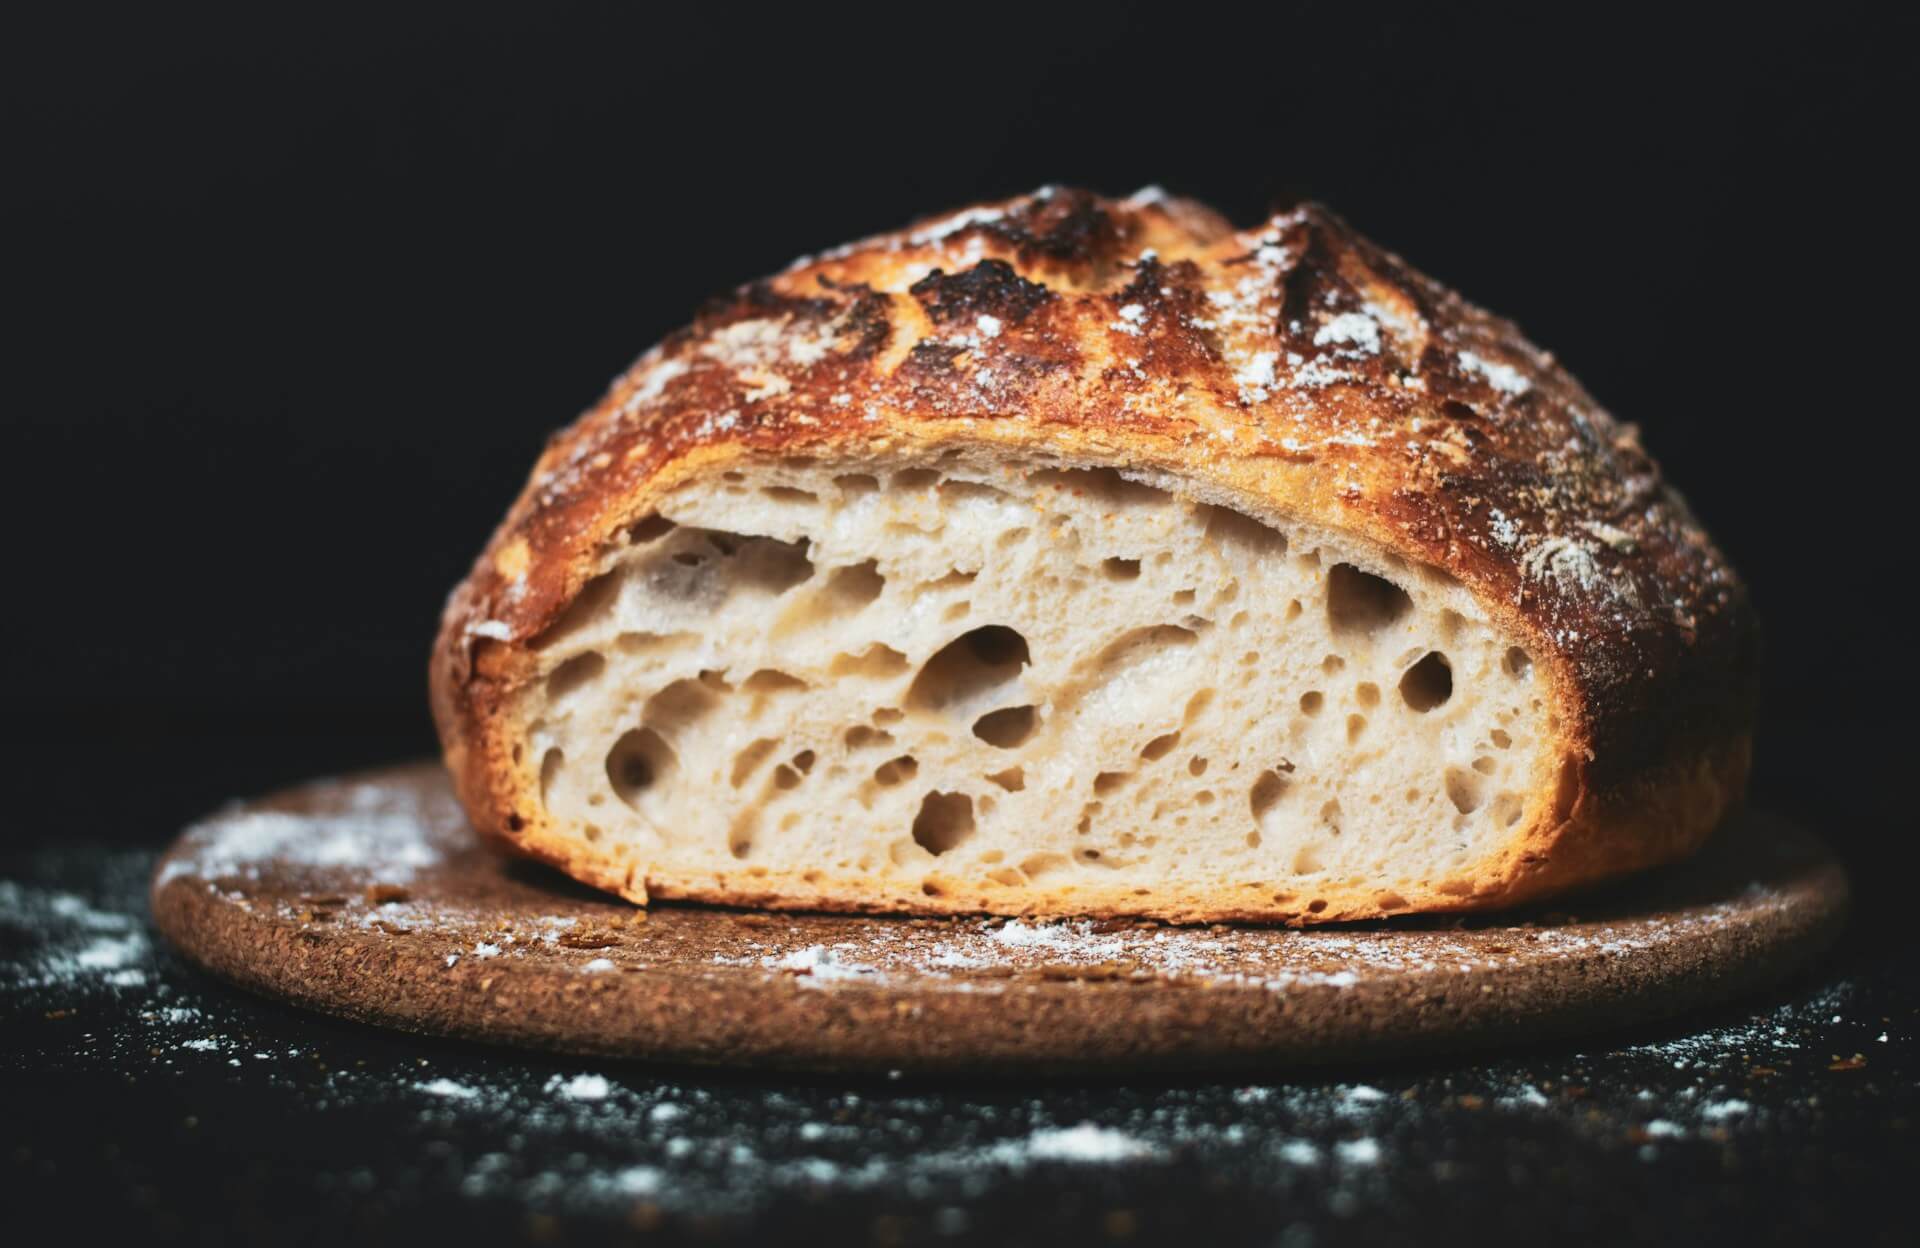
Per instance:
(1151,569)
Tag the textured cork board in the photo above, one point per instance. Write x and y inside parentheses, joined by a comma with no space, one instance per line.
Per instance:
(369,897)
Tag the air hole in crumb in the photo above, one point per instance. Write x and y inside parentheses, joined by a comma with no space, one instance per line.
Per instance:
(550,764)
(748,761)
(1312,701)
(1360,602)
(1196,766)
(652,643)
(575,672)
(1013,537)
(1332,663)
(1040,864)
(790,494)
(953,491)
(1517,662)
(855,484)
(1117,569)
(859,737)
(1507,808)
(896,770)
(853,587)
(770,565)
(593,600)
(1196,704)
(1267,790)
(1500,739)
(639,760)
(1228,527)
(1253,839)
(803,761)
(876,662)
(914,478)
(1013,779)
(945,820)
(1159,747)
(1108,781)
(1183,598)
(968,668)
(889,715)
(1356,724)
(1463,790)
(1428,683)
(1008,727)
(1367,693)
(1104,484)
(953,578)
(1483,765)
(769,680)
(785,777)
(651,529)
(1316,906)
(1330,815)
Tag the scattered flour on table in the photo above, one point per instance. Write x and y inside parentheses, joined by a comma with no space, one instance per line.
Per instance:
(581,1087)
(380,830)
(1085,1142)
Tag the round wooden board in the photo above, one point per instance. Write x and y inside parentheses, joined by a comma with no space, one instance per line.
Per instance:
(370,897)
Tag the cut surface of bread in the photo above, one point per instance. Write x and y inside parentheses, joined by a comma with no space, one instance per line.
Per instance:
(986,679)
(1084,556)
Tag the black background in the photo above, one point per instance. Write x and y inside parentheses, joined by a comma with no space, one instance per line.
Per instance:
(300,292)
(303,291)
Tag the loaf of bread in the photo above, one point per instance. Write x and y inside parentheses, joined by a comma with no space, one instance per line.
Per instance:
(1082,556)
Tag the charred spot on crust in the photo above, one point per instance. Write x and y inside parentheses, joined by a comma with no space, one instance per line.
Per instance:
(1313,287)
(929,356)
(990,288)
(1173,300)
(1151,288)
(868,326)
(1069,225)
(762,299)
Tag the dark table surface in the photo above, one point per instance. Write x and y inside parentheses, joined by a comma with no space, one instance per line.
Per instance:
(143,1097)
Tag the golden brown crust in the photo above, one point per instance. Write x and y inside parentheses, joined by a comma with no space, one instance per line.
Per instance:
(1293,367)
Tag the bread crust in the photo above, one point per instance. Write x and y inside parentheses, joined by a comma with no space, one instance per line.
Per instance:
(1294,370)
